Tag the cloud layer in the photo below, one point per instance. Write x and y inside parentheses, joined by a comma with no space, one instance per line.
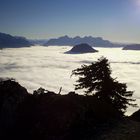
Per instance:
(50,67)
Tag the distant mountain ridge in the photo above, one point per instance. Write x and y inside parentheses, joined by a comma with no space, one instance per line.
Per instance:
(9,41)
(38,41)
(132,47)
(93,41)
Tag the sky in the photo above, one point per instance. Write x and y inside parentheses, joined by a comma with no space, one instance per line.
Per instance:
(116,20)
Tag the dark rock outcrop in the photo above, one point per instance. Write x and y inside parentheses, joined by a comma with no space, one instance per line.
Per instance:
(132,47)
(8,41)
(46,115)
(93,41)
(136,116)
(12,94)
(82,48)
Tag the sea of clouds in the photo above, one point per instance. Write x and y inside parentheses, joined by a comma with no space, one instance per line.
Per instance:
(50,67)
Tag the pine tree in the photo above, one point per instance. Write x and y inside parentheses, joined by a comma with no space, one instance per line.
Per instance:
(96,80)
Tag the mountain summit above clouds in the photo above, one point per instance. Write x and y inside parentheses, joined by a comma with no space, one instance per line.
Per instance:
(132,47)
(82,48)
(93,41)
(9,41)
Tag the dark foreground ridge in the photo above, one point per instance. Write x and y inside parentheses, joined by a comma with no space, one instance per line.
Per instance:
(81,48)
(46,115)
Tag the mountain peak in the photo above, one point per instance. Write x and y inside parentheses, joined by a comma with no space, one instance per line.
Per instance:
(68,41)
(9,41)
(82,48)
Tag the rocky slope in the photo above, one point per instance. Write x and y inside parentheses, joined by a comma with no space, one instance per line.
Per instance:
(8,41)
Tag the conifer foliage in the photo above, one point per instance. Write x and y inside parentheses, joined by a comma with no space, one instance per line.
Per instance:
(96,80)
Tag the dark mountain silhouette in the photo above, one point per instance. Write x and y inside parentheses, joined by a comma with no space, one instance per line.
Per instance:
(82,48)
(93,41)
(132,47)
(8,41)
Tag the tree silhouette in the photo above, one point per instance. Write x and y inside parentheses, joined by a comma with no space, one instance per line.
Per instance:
(96,80)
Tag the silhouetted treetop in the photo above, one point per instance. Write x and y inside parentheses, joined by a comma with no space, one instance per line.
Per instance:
(96,80)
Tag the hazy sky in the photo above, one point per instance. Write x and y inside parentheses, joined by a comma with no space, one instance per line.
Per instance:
(116,20)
